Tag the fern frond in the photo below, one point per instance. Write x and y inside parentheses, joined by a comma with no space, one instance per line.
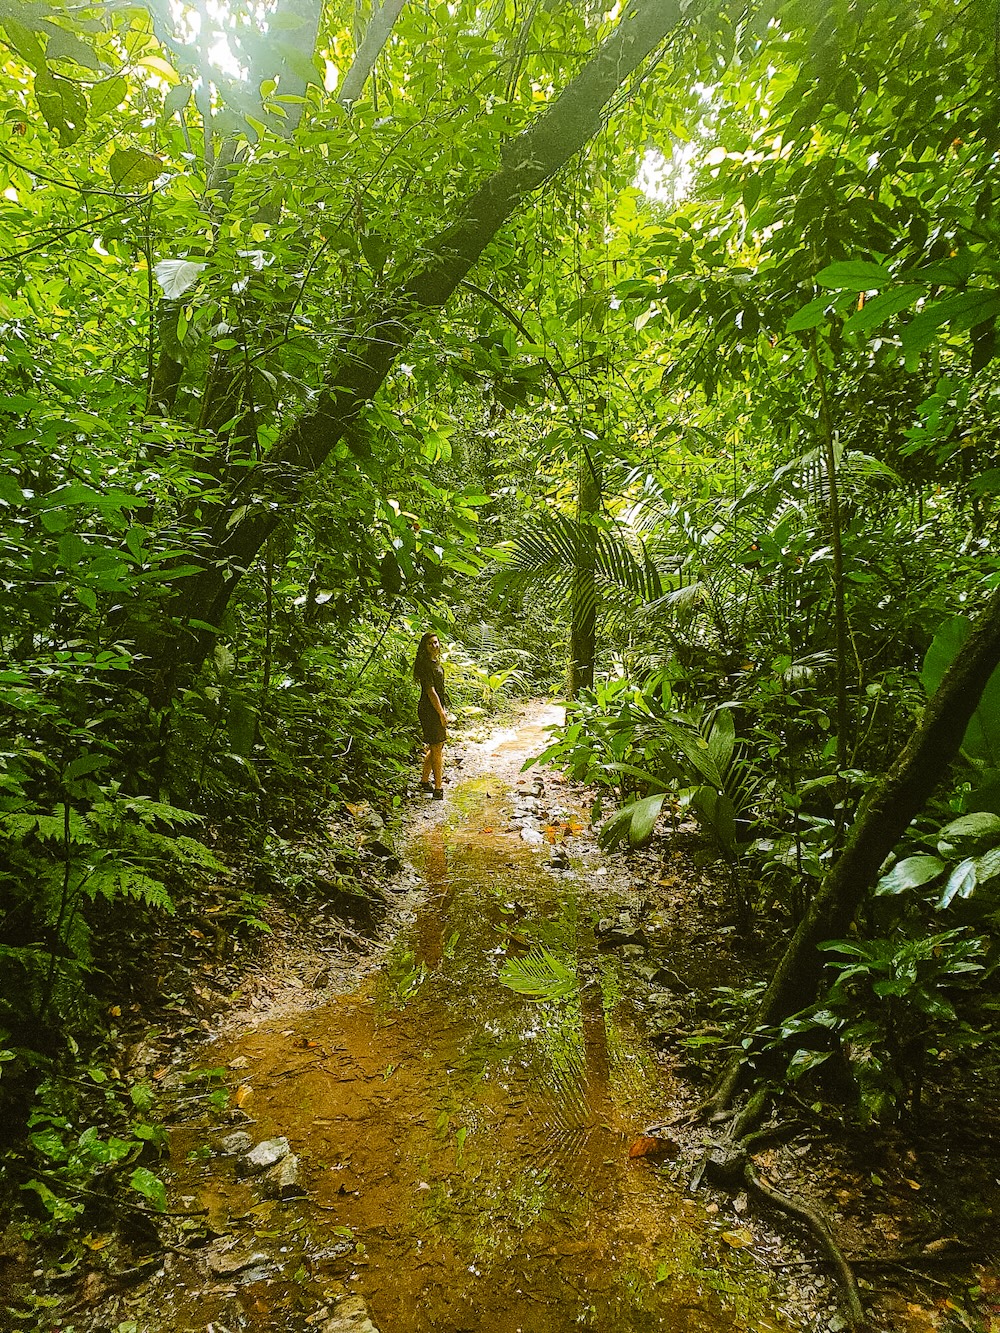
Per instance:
(20,825)
(125,881)
(539,975)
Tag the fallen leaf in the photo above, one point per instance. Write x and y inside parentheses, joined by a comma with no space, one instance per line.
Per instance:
(243,1094)
(240,1062)
(653,1147)
(912,1183)
(739,1239)
(304,1043)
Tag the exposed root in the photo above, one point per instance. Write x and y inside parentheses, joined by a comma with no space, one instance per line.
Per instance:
(730,1167)
(820,1230)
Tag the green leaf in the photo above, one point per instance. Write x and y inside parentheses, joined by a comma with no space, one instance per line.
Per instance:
(854,275)
(63,104)
(106,96)
(644,815)
(64,45)
(177,99)
(960,312)
(881,307)
(810,316)
(961,883)
(973,832)
(982,736)
(10,491)
(25,43)
(910,873)
(150,1187)
(130,168)
(540,976)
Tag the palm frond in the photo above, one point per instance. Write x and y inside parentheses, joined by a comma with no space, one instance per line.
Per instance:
(540,975)
(562,552)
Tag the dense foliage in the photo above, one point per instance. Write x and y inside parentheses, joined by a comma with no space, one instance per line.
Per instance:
(714,410)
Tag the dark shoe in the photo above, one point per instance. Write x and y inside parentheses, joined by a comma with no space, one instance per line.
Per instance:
(427,787)
(438,794)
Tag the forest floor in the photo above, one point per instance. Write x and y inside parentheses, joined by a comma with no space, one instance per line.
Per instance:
(475,1105)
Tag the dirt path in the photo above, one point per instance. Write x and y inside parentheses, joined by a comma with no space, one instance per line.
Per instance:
(464,1139)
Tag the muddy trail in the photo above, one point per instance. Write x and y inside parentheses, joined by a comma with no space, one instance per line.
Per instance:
(475,1136)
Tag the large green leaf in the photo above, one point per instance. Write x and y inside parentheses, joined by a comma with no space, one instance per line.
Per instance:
(881,307)
(910,873)
(982,736)
(854,275)
(970,833)
(644,816)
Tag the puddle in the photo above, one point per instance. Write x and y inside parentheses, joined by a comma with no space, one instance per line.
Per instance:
(463,1147)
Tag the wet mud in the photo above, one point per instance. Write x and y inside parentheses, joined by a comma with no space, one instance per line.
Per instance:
(463,1121)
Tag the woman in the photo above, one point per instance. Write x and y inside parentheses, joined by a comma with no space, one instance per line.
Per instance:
(429,675)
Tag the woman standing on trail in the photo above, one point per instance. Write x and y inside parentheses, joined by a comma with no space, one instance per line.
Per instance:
(429,675)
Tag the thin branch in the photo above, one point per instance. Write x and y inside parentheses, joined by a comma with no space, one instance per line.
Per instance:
(68,231)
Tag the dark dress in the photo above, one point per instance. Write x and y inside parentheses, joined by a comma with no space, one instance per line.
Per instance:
(431,676)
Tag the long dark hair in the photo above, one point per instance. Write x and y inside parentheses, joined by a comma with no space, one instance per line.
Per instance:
(423,656)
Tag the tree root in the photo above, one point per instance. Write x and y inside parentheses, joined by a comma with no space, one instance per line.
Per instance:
(820,1230)
(731,1168)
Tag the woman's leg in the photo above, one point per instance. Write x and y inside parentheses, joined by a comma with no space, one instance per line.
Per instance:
(425,772)
(437,763)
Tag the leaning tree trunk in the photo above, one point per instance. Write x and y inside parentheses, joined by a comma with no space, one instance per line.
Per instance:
(254,507)
(896,799)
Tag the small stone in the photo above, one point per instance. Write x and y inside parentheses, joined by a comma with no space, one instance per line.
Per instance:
(238,1142)
(283,1178)
(350,1316)
(365,817)
(532,837)
(267,1153)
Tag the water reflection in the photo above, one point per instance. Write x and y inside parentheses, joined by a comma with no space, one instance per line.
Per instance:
(475,1140)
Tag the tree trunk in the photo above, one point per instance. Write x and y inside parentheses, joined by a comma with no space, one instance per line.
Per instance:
(583,624)
(255,506)
(895,800)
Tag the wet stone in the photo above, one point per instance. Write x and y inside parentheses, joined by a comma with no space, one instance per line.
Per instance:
(266,1154)
(238,1142)
(224,1263)
(350,1316)
(283,1178)
(612,934)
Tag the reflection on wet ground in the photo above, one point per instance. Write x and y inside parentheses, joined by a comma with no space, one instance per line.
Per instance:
(472,1140)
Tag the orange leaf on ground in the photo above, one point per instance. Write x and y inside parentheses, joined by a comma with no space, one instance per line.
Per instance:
(653,1147)
(243,1094)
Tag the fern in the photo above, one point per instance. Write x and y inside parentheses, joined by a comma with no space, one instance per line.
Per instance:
(126,881)
(21,825)
(539,975)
